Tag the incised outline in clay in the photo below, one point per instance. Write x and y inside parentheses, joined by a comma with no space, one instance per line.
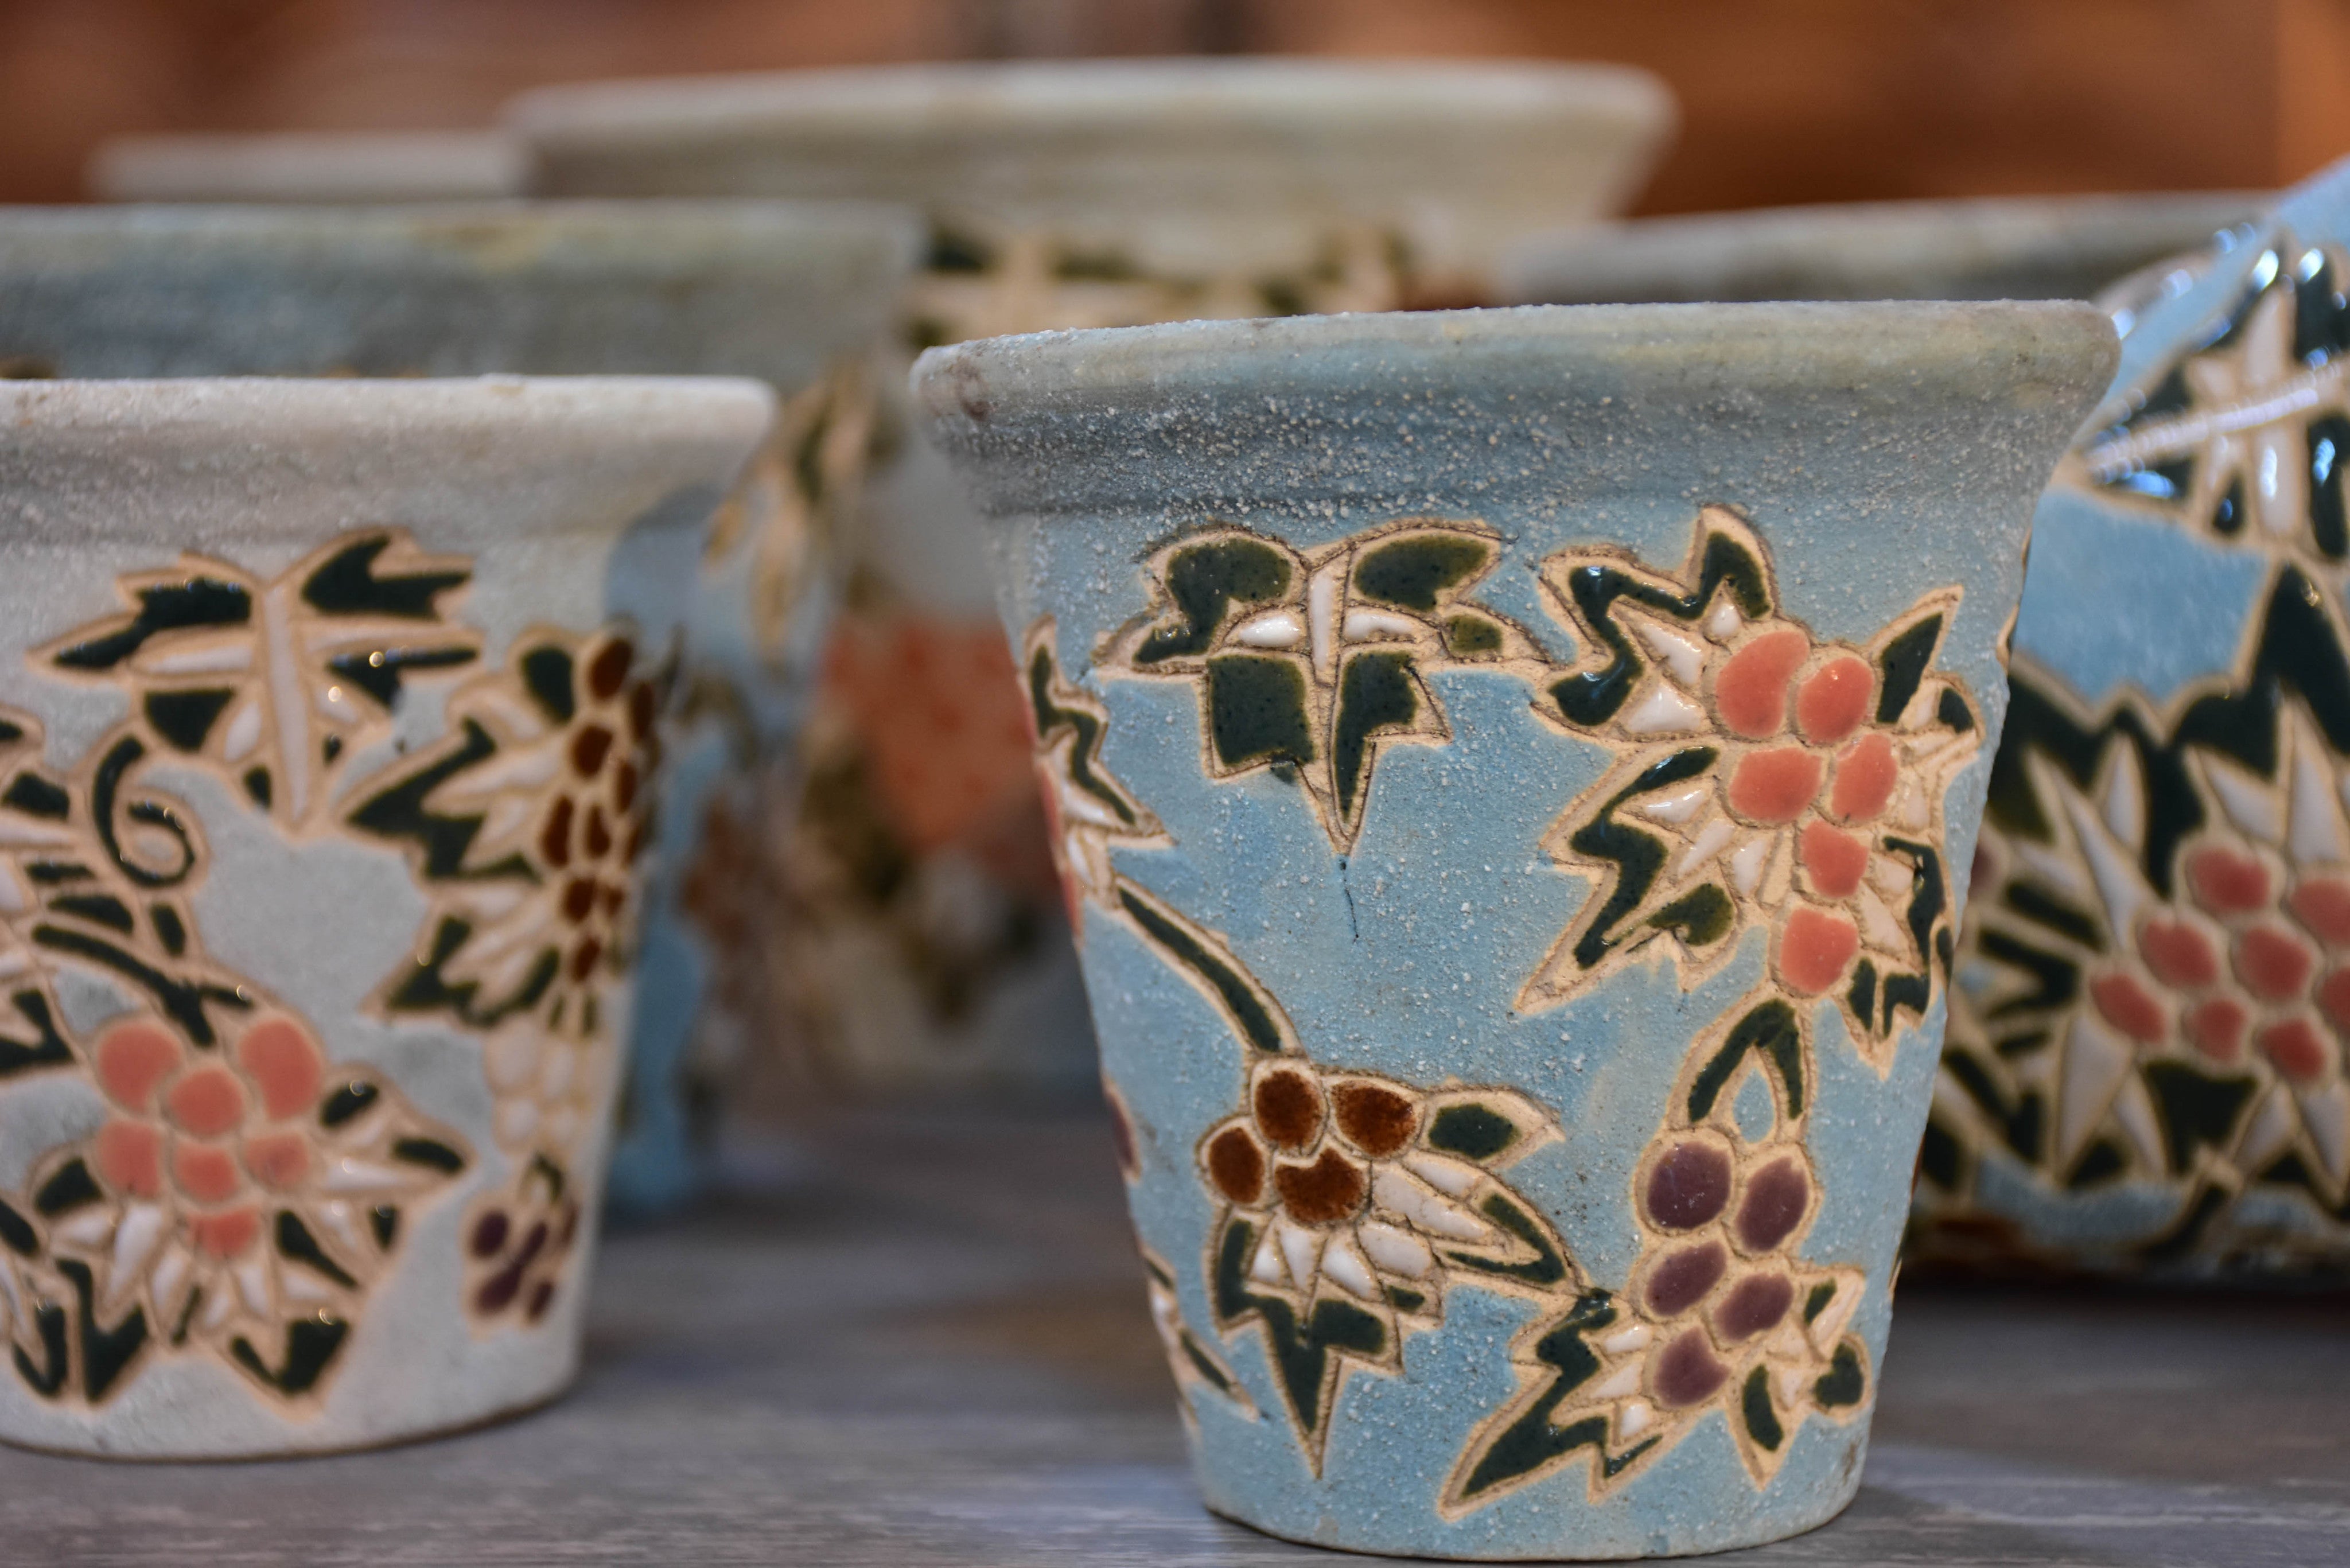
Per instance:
(1314,663)
(243,1195)
(525,826)
(1765,779)
(277,685)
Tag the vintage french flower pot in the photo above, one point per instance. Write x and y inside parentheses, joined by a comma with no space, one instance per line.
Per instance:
(2144,1072)
(330,723)
(1061,195)
(1514,772)
(2042,247)
(797,295)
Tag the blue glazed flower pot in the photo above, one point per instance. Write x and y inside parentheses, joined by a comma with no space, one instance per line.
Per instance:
(2144,1073)
(1514,772)
(797,294)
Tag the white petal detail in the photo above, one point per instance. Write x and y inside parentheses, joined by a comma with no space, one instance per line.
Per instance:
(1682,657)
(1746,863)
(1678,806)
(91,1229)
(2248,803)
(1345,1266)
(1625,1340)
(2327,1113)
(1637,1416)
(1273,628)
(1266,1267)
(1363,625)
(1454,1177)
(1302,1250)
(1625,1379)
(1722,624)
(1663,712)
(1396,1251)
(2125,799)
(244,732)
(2120,884)
(1706,845)
(2314,832)
(2268,1131)
(2094,1065)
(135,1239)
(1423,1209)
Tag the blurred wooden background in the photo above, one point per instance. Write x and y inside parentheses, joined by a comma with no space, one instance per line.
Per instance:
(1784,100)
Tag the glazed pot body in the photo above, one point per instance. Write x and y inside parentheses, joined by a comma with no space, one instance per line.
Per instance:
(2145,1069)
(798,295)
(331,718)
(1514,771)
(1106,194)
(2049,247)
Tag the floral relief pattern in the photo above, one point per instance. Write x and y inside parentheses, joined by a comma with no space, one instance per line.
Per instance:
(2161,952)
(1313,664)
(243,1194)
(2244,437)
(979,285)
(2154,970)
(525,826)
(795,501)
(1351,1205)
(1765,779)
(277,685)
(1722,1315)
(241,1199)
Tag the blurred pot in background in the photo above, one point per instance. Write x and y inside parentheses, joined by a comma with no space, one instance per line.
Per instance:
(2145,1065)
(2045,247)
(930,947)
(322,699)
(794,295)
(309,166)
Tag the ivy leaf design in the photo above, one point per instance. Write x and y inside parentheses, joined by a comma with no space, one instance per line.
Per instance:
(1313,663)
(526,828)
(274,684)
(95,872)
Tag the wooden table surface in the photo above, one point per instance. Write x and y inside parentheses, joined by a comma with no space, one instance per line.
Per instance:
(924,1342)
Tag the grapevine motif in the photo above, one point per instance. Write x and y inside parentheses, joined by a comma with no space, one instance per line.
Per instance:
(525,826)
(277,685)
(1765,779)
(2160,932)
(1350,1204)
(243,1195)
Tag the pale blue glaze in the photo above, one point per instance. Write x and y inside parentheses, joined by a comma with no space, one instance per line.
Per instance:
(1880,451)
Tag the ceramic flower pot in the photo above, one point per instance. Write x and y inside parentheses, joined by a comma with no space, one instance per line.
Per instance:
(330,709)
(309,166)
(2145,1068)
(2047,247)
(1061,195)
(1514,771)
(797,296)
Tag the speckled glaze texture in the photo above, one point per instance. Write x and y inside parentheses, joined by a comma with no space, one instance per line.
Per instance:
(2145,1065)
(797,294)
(328,724)
(1517,1159)
(928,946)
